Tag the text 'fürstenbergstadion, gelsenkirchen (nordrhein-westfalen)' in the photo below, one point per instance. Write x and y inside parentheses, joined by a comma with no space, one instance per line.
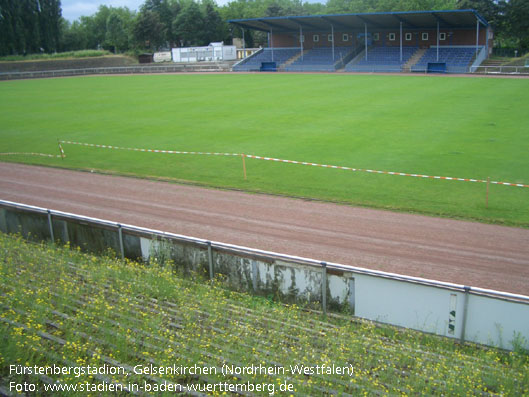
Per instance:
(228,372)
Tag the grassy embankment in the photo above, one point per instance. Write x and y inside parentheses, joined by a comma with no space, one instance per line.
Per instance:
(447,126)
(65,308)
(58,55)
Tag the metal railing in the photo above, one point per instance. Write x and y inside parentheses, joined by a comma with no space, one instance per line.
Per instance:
(480,57)
(244,60)
(236,249)
(504,70)
(371,294)
(213,67)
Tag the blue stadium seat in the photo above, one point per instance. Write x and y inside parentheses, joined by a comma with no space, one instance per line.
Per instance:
(382,59)
(319,59)
(253,63)
(457,59)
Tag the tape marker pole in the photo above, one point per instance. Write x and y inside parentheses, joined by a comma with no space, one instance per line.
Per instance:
(487,200)
(60,149)
(243,165)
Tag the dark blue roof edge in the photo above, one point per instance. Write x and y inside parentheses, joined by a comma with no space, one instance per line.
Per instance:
(477,14)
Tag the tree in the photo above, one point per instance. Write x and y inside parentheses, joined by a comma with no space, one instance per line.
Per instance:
(149,31)
(30,27)
(214,28)
(8,41)
(342,6)
(517,22)
(95,27)
(175,7)
(72,36)
(166,10)
(189,25)
(36,25)
(19,24)
(116,35)
(49,18)
(489,9)
(274,10)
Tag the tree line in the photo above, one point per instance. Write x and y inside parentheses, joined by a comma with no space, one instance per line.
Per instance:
(30,26)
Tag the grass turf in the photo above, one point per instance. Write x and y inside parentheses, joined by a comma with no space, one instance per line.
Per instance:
(449,126)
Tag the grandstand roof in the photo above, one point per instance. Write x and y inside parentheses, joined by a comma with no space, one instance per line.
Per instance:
(384,20)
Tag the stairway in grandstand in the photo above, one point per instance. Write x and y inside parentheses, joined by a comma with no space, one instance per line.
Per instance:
(457,59)
(381,59)
(493,62)
(413,60)
(320,59)
(293,59)
(277,55)
(355,59)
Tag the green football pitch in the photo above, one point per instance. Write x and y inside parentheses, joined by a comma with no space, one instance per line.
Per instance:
(447,126)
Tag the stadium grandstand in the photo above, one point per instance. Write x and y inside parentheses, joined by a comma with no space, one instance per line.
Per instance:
(452,41)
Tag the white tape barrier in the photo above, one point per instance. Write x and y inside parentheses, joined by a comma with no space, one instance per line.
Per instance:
(148,150)
(31,154)
(301,163)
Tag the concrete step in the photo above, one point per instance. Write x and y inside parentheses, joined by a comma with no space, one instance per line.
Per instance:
(413,60)
(492,62)
(293,59)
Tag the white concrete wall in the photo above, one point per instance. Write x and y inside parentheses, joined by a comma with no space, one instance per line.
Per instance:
(496,322)
(490,321)
(162,56)
(194,54)
(338,287)
(407,304)
(229,53)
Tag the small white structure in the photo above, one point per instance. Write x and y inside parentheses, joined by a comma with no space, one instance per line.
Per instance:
(165,56)
(213,52)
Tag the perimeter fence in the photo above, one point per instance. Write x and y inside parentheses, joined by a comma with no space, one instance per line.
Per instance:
(452,310)
(177,68)
(220,67)
(502,70)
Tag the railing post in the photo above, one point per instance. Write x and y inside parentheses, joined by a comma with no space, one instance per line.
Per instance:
(465,313)
(50,224)
(121,248)
(324,288)
(65,232)
(254,275)
(210,261)
(352,294)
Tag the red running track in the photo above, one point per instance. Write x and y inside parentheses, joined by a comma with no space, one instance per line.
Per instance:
(474,254)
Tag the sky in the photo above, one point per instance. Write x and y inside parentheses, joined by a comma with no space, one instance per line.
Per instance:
(73,9)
